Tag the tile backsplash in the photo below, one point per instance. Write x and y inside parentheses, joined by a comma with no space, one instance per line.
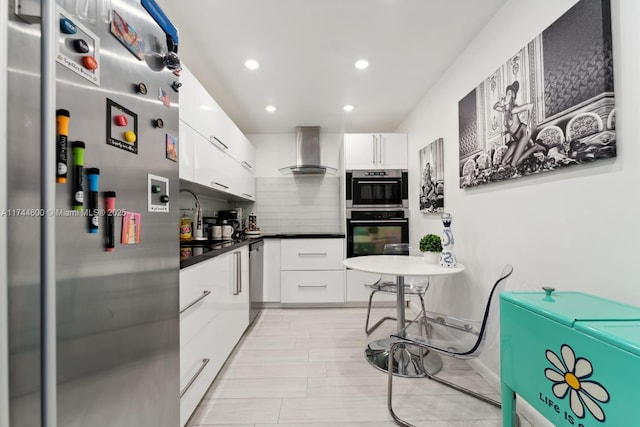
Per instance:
(299,204)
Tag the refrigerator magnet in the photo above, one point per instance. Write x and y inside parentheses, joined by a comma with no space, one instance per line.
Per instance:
(131,224)
(172,148)
(126,35)
(80,53)
(122,127)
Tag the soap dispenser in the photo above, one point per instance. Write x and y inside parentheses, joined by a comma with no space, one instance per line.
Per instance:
(185,227)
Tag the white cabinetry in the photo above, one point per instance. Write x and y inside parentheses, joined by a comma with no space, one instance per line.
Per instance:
(271,283)
(375,151)
(214,312)
(232,164)
(186,156)
(312,270)
(233,315)
(199,289)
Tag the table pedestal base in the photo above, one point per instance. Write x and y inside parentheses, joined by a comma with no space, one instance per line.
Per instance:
(408,362)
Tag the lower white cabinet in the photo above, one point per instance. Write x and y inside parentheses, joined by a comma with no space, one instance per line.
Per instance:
(311,270)
(312,286)
(271,285)
(214,313)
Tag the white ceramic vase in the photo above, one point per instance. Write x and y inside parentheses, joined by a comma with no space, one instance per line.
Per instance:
(431,257)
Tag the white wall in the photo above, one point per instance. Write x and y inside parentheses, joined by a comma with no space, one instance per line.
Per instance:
(278,150)
(302,204)
(575,229)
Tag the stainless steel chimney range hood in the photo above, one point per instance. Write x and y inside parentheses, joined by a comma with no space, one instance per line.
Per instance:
(308,154)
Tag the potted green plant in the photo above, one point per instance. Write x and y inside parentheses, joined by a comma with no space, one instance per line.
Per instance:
(431,246)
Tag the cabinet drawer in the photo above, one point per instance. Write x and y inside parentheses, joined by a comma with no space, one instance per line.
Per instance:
(196,317)
(311,254)
(312,286)
(197,299)
(198,365)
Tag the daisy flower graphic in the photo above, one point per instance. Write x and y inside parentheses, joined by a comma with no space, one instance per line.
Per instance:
(569,375)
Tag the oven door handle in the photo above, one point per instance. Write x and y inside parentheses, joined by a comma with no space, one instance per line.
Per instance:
(378,221)
(386,181)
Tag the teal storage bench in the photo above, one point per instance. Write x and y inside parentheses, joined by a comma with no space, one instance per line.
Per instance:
(574,357)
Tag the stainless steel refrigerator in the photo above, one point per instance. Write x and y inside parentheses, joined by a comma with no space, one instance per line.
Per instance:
(117,346)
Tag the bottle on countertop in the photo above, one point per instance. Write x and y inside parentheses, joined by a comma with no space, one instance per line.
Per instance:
(185,227)
(253,222)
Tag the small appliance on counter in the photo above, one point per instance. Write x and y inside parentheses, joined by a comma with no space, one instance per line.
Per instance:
(234,219)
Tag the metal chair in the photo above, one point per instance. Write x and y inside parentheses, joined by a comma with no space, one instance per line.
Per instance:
(412,286)
(480,332)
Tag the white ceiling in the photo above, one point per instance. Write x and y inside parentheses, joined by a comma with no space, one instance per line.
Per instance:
(307,50)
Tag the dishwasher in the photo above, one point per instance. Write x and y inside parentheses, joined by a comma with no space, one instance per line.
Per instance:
(256,275)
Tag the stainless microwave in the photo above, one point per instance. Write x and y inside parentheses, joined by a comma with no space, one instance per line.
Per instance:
(377,189)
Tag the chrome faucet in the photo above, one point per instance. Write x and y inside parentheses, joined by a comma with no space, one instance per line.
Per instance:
(198,234)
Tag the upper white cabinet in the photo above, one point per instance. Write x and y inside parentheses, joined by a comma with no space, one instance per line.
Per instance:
(213,168)
(227,162)
(186,157)
(375,151)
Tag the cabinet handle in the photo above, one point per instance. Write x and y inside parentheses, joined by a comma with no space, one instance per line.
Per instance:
(375,221)
(226,147)
(193,378)
(195,301)
(226,187)
(238,287)
(247,194)
(312,286)
(312,254)
(247,164)
(239,272)
(395,181)
(373,140)
(380,148)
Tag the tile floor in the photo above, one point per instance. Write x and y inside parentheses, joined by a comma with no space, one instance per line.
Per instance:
(306,367)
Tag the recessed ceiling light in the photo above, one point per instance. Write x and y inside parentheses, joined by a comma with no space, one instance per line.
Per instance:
(270,108)
(348,107)
(361,64)
(252,64)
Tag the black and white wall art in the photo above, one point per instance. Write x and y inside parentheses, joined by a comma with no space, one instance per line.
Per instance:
(551,105)
(432,177)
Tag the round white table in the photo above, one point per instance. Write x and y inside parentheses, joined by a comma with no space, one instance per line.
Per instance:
(407,363)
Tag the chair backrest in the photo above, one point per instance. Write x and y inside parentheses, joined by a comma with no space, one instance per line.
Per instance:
(488,329)
(396,249)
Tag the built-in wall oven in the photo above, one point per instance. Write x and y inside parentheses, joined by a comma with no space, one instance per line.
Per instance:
(377,189)
(369,230)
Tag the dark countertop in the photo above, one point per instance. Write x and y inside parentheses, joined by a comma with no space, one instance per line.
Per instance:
(304,235)
(193,252)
